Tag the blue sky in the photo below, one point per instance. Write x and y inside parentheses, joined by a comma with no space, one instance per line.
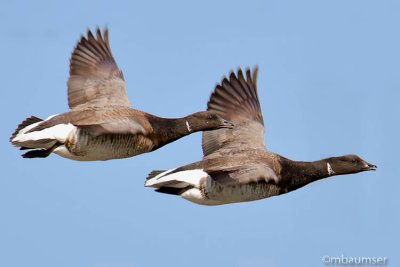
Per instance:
(328,83)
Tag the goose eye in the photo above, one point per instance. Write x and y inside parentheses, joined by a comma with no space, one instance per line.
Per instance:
(210,117)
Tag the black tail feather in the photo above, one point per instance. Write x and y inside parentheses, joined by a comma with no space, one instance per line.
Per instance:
(37,153)
(173,190)
(40,153)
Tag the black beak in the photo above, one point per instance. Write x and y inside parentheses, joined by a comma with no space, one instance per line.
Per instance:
(370,167)
(227,124)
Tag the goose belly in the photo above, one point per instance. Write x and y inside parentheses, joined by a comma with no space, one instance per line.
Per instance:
(215,192)
(84,147)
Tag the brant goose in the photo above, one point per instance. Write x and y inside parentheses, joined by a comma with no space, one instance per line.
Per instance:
(101,124)
(236,166)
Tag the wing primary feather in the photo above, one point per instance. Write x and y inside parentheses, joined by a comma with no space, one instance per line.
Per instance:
(95,79)
(236,99)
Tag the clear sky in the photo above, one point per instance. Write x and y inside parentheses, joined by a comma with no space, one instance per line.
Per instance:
(329,85)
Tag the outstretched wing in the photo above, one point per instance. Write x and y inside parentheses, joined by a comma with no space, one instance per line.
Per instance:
(95,80)
(236,100)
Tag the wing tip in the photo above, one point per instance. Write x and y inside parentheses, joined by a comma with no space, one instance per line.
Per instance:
(91,50)
(237,94)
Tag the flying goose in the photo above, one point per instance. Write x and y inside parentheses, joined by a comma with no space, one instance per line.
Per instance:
(236,166)
(101,124)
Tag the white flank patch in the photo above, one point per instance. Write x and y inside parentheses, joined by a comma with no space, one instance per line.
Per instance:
(193,194)
(58,132)
(27,128)
(329,168)
(188,126)
(182,178)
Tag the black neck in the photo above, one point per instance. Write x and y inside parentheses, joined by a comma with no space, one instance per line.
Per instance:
(296,174)
(169,130)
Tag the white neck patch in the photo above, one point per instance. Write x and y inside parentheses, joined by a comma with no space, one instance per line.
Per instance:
(329,169)
(188,126)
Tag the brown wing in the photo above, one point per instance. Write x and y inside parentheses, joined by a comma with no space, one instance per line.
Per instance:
(102,121)
(256,173)
(236,100)
(241,167)
(95,80)
(112,121)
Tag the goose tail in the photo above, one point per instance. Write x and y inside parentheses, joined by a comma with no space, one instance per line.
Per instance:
(175,181)
(25,126)
(190,182)
(33,134)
